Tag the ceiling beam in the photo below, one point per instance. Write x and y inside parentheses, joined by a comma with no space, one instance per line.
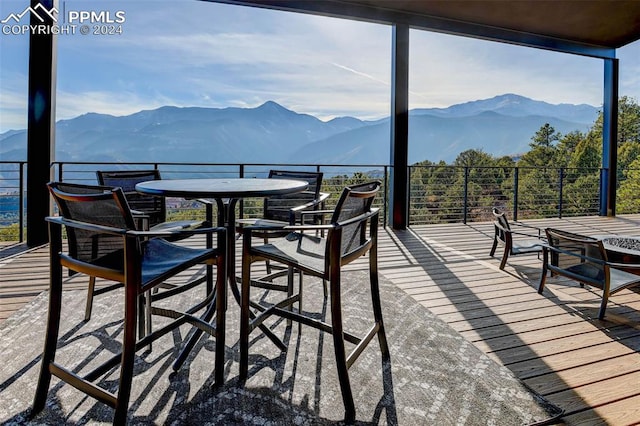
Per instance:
(370,13)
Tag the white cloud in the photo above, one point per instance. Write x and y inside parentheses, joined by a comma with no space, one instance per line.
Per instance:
(119,103)
(446,70)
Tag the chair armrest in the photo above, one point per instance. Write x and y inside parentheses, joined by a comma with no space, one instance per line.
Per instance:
(355,219)
(321,213)
(321,227)
(625,266)
(522,225)
(209,201)
(261,223)
(311,206)
(306,206)
(312,212)
(86,226)
(526,234)
(539,236)
(599,261)
(177,232)
(292,228)
(143,220)
(121,231)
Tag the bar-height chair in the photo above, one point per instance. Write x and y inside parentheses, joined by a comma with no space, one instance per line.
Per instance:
(516,238)
(287,208)
(103,242)
(150,214)
(350,234)
(149,209)
(281,210)
(584,259)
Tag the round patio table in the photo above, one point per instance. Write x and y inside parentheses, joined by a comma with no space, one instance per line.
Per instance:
(226,192)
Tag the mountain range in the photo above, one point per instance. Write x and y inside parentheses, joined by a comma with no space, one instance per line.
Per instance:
(271,133)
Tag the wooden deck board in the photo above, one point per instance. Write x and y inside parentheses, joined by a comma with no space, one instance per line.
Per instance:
(552,341)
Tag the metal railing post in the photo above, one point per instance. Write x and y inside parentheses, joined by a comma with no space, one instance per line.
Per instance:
(465,200)
(560,187)
(516,179)
(408,196)
(241,203)
(21,201)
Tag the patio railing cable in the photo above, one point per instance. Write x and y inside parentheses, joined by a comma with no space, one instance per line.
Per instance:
(437,193)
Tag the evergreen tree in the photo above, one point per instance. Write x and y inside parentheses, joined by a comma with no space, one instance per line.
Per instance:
(628,200)
(567,146)
(542,146)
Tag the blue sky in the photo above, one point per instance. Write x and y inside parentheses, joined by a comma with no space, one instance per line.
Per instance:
(191,53)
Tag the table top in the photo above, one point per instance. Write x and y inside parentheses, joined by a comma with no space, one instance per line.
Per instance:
(221,188)
(622,244)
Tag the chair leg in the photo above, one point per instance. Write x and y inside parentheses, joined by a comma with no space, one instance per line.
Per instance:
(300,290)
(339,348)
(603,304)
(53,328)
(543,274)
(290,277)
(88,308)
(493,247)
(377,312)
(221,308)
(128,355)
(267,262)
(244,311)
(144,316)
(505,255)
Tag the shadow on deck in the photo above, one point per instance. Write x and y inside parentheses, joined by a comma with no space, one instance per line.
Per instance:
(552,342)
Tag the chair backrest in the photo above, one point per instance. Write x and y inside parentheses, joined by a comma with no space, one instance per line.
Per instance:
(355,200)
(98,205)
(502,228)
(577,254)
(501,218)
(154,207)
(279,207)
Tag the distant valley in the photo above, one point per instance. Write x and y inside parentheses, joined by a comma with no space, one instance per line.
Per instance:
(270,133)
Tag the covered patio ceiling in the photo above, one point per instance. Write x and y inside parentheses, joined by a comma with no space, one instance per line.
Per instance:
(593,27)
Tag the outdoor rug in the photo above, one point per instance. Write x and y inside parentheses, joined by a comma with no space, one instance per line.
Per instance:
(434,377)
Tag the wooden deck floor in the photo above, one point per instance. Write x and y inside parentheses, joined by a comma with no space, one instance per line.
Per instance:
(552,342)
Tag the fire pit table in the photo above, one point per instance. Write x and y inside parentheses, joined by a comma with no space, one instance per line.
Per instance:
(622,249)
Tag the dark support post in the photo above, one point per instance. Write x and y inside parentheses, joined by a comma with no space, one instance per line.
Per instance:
(41,123)
(399,196)
(609,139)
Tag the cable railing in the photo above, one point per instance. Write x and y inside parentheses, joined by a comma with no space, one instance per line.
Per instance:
(437,193)
(453,194)
(12,200)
